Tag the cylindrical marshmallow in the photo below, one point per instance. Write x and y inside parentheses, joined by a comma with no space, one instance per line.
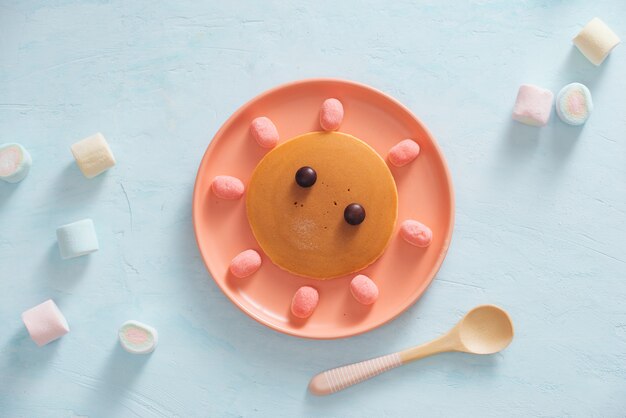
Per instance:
(93,155)
(45,323)
(227,187)
(403,152)
(304,302)
(138,338)
(416,233)
(15,163)
(596,41)
(364,289)
(264,132)
(245,264)
(574,104)
(76,239)
(533,105)
(331,114)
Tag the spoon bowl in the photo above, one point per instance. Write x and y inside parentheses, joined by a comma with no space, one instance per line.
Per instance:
(485,329)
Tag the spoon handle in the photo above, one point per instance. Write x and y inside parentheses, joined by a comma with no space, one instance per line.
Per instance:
(337,379)
(447,342)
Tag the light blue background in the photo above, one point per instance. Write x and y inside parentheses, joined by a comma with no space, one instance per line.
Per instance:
(540,226)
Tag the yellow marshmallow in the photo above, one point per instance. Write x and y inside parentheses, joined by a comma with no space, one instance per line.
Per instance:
(596,40)
(93,155)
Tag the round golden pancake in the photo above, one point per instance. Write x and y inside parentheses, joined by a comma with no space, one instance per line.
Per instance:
(303,230)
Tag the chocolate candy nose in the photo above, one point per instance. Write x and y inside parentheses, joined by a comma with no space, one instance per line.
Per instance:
(354,214)
(306,176)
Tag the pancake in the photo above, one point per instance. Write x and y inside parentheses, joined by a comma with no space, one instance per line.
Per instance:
(303,230)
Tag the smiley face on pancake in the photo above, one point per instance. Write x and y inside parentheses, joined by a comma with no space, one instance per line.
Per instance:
(322,205)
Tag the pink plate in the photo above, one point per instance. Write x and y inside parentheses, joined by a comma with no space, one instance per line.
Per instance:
(402,273)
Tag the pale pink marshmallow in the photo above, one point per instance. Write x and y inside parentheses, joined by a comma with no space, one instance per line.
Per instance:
(416,233)
(45,323)
(331,114)
(403,152)
(245,263)
(227,187)
(264,132)
(533,105)
(304,302)
(364,289)
(9,160)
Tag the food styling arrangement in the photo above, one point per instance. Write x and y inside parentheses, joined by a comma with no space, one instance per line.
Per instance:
(323,209)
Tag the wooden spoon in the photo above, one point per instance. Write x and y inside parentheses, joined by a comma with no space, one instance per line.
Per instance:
(486,329)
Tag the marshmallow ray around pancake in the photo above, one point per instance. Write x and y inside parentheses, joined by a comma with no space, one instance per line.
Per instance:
(302,230)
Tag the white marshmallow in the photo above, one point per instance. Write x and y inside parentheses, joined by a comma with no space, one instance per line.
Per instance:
(596,40)
(76,239)
(15,163)
(93,155)
(45,323)
(138,338)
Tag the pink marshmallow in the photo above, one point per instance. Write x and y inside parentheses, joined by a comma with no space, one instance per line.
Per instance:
(416,233)
(45,323)
(304,302)
(227,187)
(533,105)
(403,152)
(331,114)
(264,132)
(245,263)
(10,160)
(364,289)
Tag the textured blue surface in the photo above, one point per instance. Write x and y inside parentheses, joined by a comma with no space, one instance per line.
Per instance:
(540,223)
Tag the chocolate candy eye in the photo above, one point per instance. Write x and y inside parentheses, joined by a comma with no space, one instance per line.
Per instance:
(354,214)
(306,176)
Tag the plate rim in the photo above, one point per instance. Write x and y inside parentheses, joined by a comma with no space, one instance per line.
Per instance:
(448,179)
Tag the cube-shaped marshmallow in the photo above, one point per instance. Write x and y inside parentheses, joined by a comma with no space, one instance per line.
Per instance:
(533,105)
(45,323)
(76,239)
(93,155)
(596,41)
